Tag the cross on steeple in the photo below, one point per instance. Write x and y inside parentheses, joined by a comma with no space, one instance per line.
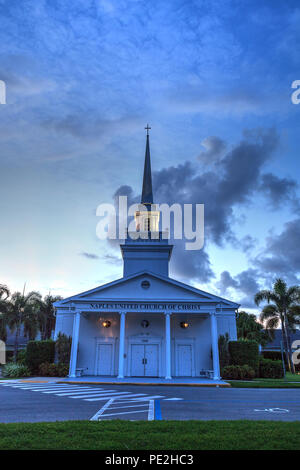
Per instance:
(147,129)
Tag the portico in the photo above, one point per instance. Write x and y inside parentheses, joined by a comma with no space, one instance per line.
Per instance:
(143,340)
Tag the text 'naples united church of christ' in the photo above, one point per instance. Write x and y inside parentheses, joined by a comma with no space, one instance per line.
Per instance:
(145,324)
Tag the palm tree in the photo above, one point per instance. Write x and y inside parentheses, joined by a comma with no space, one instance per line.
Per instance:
(248,328)
(22,310)
(4,295)
(47,315)
(284,311)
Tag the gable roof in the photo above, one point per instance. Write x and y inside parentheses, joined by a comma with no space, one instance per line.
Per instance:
(276,342)
(168,280)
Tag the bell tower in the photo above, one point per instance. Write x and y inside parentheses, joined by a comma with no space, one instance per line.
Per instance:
(146,249)
(147,220)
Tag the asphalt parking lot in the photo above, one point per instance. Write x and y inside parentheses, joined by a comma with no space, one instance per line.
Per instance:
(36,402)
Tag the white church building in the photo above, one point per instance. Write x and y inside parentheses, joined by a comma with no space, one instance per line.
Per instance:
(146,324)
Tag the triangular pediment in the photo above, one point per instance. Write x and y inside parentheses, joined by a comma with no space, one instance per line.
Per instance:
(146,286)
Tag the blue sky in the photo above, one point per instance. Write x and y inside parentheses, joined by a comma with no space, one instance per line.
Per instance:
(214,81)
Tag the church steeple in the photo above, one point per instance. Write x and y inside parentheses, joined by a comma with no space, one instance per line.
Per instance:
(147,220)
(147,194)
(146,249)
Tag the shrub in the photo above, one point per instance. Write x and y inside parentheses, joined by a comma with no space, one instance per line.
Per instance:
(274,355)
(244,372)
(63,370)
(15,370)
(21,357)
(63,348)
(53,370)
(244,352)
(269,369)
(223,350)
(38,352)
(44,369)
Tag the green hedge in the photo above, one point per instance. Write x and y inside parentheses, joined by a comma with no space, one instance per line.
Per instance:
(269,369)
(53,370)
(244,352)
(238,373)
(38,352)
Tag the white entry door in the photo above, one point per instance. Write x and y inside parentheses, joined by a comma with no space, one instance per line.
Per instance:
(105,356)
(137,360)
(184,357)
(144,360)
(151,360)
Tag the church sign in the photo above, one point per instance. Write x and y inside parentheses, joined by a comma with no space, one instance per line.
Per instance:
(145,306)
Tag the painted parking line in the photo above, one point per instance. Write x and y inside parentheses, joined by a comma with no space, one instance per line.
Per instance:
(99,413)
(55,390)
(157,411)
(92,394)
(117,396)
(34,389)
(109,393)
(151,410)
(153,397)
(71,391)
(172,399)
(83,392)
(123,413)
(115,408)
(127,406)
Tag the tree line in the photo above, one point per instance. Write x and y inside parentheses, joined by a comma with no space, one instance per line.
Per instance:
(27,312)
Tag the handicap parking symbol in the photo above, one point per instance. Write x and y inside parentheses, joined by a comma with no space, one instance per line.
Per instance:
(274,410)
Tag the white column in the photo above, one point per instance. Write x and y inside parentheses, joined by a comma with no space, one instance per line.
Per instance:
(74,348)
(215,346)
(168,345)
(122,345)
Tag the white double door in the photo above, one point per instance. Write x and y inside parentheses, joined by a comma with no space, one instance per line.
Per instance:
(184,360)
(144,360)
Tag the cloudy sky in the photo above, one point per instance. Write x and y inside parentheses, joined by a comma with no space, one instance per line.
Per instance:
(213,79)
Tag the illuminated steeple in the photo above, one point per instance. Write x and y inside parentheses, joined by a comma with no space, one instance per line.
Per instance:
(147,220)
(146,248)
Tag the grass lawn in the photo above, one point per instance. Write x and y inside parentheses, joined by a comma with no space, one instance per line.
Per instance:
(269,383)
(155,435)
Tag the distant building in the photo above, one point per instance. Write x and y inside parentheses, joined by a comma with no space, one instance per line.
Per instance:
(275,345)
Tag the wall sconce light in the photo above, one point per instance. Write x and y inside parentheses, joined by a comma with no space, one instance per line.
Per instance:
(145,323)
(184,324)
(106,324)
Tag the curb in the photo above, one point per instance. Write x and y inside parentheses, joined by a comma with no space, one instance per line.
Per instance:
(226,385)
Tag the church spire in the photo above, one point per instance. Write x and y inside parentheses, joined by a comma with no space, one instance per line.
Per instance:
(147,194)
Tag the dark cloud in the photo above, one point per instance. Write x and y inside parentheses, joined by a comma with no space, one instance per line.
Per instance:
(89,255)
(245,284)
(190,265)
(247,243)
(281,255)
(214,149)
(279,191)
(234,181)
(90,126)
(112,259)
(226,281)
(280,258)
